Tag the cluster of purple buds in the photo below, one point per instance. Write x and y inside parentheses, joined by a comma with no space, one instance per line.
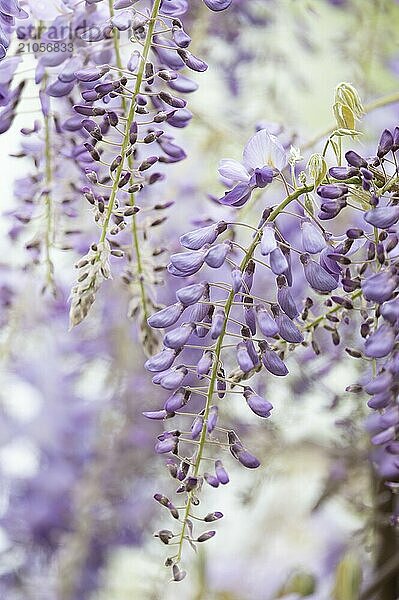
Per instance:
(370,270)
(261,331)
(126,116)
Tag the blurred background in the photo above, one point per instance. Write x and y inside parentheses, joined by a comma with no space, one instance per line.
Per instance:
(77,463)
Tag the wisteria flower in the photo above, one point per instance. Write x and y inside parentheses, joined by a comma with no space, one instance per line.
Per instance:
(263,157)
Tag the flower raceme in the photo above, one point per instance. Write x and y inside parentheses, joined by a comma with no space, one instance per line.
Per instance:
(223,330)
(126,117)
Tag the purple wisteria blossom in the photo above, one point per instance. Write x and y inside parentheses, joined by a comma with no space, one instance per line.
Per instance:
(263,158)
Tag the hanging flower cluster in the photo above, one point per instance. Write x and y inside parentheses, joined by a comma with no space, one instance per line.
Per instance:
(245,315)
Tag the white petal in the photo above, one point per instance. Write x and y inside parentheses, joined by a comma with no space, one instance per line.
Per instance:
(233,170)
(264,149)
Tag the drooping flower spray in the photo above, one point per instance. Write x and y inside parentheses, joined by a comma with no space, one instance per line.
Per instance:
(229,328)
(137,103)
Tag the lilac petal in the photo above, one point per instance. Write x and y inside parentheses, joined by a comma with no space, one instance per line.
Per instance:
(312,239)
(238,196)
(379,287)
(183,84)
(161,361)
(385,144)
(218,320)
(328,263)
(390,310)
(278,262)
(250,318)
(191,293)
(236,276)
(332,191)
(176,401)
(194,240)
(216,255)
(243,358)
(252,352)
(212,480)
(233,171)
(264,149)
(221,473)
(382,216)
(273,363)
(381,382)
(167,316)
(188,262)
(380,343)
(257,404)
(192,62)
(167,445)
(91,73)
(59,89)
(178,337)
(355,160)
(157,378)
(342,173)
(384,436)
(174,379)
(318,278)
(288,330)
(199,311)
(268,241)
(262,177)
(158,415)
(379,401)
(286,302)
(212,418)
(205,363)
(196,427)
(267,324)
(244,457)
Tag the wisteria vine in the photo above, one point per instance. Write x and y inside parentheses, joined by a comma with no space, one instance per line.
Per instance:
(301,262)
(356,270)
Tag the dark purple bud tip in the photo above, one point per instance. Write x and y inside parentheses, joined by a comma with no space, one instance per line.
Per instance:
(342,173)
(177,573)
(165,535)
(386,143)
(214,516)
(191,483)
(157,415)
(355,160)
(204,537)
(331,191)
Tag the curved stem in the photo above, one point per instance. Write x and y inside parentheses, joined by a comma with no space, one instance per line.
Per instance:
(136,242)
(218,349)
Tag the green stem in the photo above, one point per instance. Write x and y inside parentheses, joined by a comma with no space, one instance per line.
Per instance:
(335,309)
(136,242)
(48,199)
(218,349)
(131,112)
